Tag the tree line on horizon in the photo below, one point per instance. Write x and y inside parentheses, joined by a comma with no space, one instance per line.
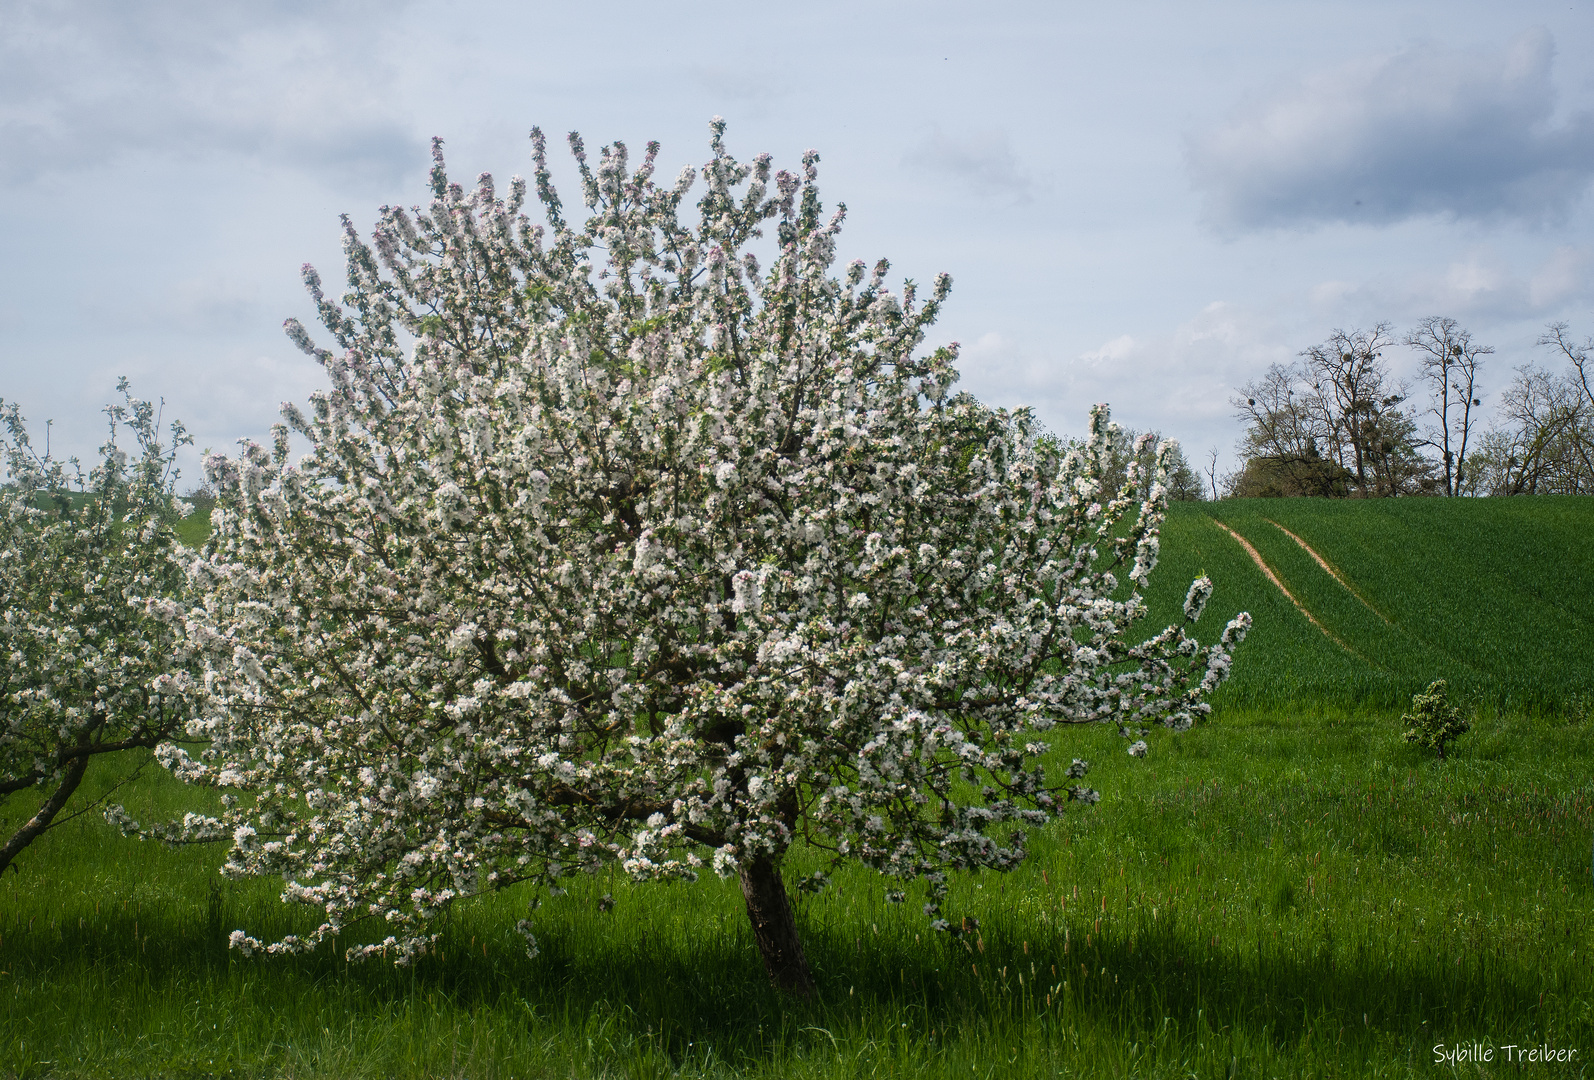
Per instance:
(1337,424)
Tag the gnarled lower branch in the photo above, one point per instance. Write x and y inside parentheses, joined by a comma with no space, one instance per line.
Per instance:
(70,779)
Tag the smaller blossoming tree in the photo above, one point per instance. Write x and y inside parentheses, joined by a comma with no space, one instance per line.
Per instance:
(90,664)
(644,554)
(1435,722)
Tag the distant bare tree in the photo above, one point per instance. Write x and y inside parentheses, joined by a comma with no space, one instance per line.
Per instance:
(1212,471)
(1450,364)
(1542,446)
(1370,437)
(1546,443)
(1284,437)
(1577,380)
(1331,424)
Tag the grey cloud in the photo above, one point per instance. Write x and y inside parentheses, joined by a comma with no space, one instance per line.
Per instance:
(85,82)
(1479,284)
(982,161)
(1425,131)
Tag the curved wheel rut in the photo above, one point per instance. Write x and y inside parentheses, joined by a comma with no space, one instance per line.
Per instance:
(1329,570)
(1256,557)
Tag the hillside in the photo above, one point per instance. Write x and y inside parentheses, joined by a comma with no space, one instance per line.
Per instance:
(1493,595)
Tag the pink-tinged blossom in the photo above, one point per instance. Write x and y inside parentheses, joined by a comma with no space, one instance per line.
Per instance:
(93,608)
(647,556)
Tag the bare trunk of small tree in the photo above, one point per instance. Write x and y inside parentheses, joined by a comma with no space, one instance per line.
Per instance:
(775,926)
(70,779)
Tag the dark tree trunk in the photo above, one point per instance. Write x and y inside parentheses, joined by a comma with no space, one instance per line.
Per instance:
(70,779)
(775,926)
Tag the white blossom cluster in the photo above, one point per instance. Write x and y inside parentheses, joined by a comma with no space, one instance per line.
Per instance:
(642,553)
(92,659)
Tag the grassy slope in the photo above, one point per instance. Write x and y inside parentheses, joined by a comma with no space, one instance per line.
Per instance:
(1495,595)
(194,528)
(1282,894)
(1288,890)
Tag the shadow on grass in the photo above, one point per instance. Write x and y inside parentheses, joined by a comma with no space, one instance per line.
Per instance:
(710,989)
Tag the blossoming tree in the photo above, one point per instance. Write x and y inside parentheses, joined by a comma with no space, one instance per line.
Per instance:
(90,664)
(642,552)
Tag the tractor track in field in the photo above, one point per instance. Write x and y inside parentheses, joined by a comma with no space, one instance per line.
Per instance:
(1330,571)
(1256,557)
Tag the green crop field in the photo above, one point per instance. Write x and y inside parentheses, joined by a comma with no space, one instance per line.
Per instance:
(1494,595)
(1288,890)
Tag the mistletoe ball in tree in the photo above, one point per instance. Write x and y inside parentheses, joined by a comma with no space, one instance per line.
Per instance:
(614,545)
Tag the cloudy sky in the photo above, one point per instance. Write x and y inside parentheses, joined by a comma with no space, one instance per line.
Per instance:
(1140,203)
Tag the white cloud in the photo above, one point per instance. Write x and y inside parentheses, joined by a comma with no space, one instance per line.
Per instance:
(1177,382)
(1111,352)
(751,92)
(981,161)
(1187,374)
(1425,131)
(1563,276)
(1479,283)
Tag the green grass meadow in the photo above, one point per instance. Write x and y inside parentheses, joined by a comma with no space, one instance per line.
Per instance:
(1288,890)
